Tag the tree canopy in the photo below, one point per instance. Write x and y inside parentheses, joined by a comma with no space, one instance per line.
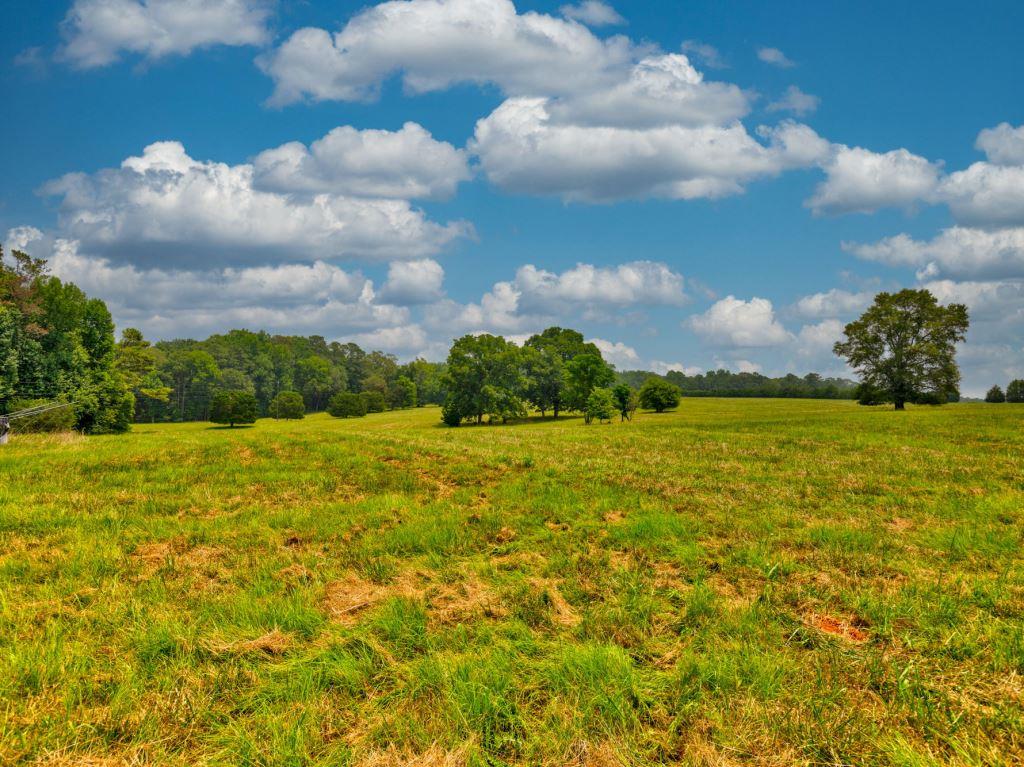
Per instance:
(904,347)
(233,407)
(57,344)
(659,395)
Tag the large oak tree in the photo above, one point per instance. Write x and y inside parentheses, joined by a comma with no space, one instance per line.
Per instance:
(904,348)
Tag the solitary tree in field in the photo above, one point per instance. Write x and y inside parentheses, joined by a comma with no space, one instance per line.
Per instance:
(995,394)
(659,395)
(1015,391)
(587,372)
(904,347)
(233,407)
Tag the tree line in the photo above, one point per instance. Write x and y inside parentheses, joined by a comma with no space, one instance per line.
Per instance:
(179,380)
(725,383)
(57,344)
(1014,392)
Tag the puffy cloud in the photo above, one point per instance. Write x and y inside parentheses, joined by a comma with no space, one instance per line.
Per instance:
(958,252)
(661,368)
(775,57)
(644,283)
(536,297)
(408,164)
(617,353)
(594,13)
(165,205)
(861,181)
(986,195)
(732,322)
(706,54)
(833,303)
(522,149)
(97,32)
(413,282)
(817,340)
(437,44)
(662,90)
(999,301)
(403,338)
(796,101)
(1003,144)
(290,298)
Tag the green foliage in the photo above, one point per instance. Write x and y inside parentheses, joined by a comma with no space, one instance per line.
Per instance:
(287,405)
(626,401)
(995,394)
(904,347)
(586,372)
(56,420)
(1015,391)
(56,343)
(233,407)
(600,406)
(374,401)
(347,405)
(484,377)
(403,393)
(659,395)
(545,359)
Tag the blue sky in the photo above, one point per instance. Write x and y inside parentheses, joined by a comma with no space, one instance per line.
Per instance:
(677,180)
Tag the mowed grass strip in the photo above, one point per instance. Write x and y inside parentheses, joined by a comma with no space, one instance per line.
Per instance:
(739,582)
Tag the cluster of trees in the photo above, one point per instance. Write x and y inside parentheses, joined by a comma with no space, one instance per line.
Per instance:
(1014,392)
(179,380)
(555,372)
(57,344)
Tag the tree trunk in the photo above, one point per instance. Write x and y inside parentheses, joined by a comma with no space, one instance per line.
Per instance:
(899,405)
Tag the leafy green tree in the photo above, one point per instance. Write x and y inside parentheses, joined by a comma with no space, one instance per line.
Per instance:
(191,374)
(586,372)
(233,407)
(1015,391)
(313,376)
(374,401)
(8,353)
(995,394)
(483,377)
(287,405)
(904,346)
(626,401)
(347,405)
(659,395)
(549,381)
(136,360)
(600,406)
(546,378)
(403,393)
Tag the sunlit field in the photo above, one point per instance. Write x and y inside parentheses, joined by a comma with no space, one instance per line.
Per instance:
(738,582)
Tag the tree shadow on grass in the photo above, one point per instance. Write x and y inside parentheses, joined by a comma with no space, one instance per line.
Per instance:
(231,428)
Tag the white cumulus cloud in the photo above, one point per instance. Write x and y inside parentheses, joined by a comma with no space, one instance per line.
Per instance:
(594,13)
(408,163)
(165,206)
(775,57)
(98,32)
(861,181)
(732,322)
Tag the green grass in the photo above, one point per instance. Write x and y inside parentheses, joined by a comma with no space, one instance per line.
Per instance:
(740,582)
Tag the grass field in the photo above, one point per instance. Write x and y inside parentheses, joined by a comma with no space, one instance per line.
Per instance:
(742,582)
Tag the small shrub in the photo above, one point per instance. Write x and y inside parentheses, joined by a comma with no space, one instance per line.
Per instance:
(659,395)
(347,405)
(375,402)
(995,394)
(600,406)
(58,419)
(233,407)
(287,405)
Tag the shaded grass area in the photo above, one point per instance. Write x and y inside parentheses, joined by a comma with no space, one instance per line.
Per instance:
(740,582)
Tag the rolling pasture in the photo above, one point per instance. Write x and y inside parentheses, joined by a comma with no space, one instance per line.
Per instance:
(739,582)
